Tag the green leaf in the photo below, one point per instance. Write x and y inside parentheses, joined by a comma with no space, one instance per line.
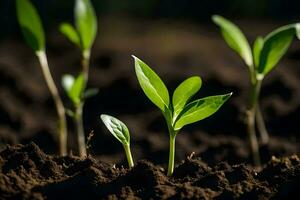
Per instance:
(31,25)
(234,38)
(69,31)
(258,45)
(184,92)
(275,46)
(200,109)
(152,85)
(74,87)
(86,22)
(91,92)
(117,128)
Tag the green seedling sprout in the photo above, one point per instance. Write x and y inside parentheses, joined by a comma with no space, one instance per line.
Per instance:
(267,52)
(120,131)
(179,111)
(83,36)
(33,33)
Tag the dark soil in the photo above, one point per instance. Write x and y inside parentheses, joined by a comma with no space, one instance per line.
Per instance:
(28,173)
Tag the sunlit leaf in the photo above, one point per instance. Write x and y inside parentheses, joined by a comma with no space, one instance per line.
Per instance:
(275,46)
(31,25)
(234,38)
(200,109)
(117,128)
(152,85)
(258,45)
(184,92)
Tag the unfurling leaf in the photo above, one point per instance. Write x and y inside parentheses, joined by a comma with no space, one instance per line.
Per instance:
(200,109)
(31,25)
(235,38)
(117,128)
(152,85)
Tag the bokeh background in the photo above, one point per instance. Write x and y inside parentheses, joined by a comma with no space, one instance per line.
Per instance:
(177,39)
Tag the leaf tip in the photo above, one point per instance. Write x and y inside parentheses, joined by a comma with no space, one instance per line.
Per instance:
(215,17)
(134,57)
(227,96)
(103,117)
(297,27)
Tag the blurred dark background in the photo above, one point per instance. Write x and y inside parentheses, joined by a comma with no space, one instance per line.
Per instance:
(54,11)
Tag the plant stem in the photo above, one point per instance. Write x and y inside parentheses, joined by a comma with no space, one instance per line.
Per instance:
(128,155)
(171,155)
(85,64)
(80,131)
(58,102)
(255,89)
(261,126)
(79,108)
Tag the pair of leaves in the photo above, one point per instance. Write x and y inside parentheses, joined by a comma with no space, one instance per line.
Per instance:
(266,51)
(117,128)
(183,113)
(31,25)
(85,30)
(75,88)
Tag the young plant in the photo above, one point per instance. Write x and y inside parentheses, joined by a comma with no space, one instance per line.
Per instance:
(83,36)
(120,131)
(33,33)
(179,111)
(266,53)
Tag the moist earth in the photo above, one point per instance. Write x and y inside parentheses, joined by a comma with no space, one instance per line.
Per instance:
(28,173)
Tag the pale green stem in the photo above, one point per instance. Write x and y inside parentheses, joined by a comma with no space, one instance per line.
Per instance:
(261,126)
(171,155)
(80,131)
(85,65)
(128,155)
(58,102)
(79,108)
(255,90)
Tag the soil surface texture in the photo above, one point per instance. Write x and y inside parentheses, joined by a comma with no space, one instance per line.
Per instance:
(28,173)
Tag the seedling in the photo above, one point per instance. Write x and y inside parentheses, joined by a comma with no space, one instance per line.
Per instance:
(179,111)
(33,33)
(120,131)
(83,36)
(265,55)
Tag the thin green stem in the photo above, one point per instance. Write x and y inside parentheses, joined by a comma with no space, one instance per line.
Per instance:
(251,113)
(261,126)
(80,131)
(58,102)
(78,118)
(128,155)
(171,155)
(85,65)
